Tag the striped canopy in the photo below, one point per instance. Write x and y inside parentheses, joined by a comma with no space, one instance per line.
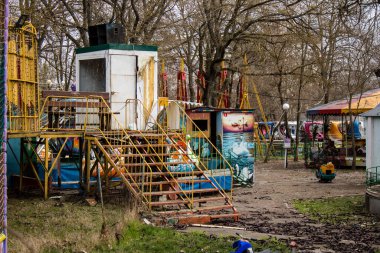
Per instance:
(359,104)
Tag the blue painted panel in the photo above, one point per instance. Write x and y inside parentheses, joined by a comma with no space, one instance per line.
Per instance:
(13,167)
(223,181)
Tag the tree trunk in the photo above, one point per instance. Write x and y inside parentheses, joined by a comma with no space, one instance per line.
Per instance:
(212,70)
(303,56)
(191,82)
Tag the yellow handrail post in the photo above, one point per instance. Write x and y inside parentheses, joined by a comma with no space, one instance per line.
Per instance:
(46,169)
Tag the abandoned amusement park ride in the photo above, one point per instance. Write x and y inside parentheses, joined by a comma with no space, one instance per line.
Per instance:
(117,131)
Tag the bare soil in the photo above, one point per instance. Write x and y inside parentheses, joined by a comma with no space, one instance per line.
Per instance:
(266,210)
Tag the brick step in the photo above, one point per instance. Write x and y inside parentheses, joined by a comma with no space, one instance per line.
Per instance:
(194,218)
(180,201)
(225,215)
(159,193)
(196,210)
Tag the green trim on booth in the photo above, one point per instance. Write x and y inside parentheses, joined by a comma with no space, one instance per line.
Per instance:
(126,47)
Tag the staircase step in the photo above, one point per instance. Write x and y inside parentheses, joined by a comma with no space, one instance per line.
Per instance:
(179,201)
(151,135)
(225,215)
(184,181)
(196,210)
(154,131)
(154,164)
(159,193)
(199,218)
(165,173)
(139,145)
(150,154)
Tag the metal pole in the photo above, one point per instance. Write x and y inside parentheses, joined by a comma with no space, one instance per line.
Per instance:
(21,163)
(46,182)
(286,158)
(5,137)
(88,165)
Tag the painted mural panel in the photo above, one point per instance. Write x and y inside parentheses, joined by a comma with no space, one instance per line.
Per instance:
(237,142)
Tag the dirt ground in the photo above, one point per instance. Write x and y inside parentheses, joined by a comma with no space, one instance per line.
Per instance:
(266,210)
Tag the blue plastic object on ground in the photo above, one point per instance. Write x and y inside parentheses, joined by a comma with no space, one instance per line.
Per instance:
(242,246)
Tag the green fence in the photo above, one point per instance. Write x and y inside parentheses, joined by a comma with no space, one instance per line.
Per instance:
(373,176)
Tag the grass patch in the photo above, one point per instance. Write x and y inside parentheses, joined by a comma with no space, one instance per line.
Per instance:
(50,226)
(73,226)
(333,210)
(141,238)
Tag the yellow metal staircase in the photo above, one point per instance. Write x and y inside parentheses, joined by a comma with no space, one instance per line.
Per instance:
(152,161)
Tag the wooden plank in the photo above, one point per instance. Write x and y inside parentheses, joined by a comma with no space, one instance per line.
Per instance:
(55,93)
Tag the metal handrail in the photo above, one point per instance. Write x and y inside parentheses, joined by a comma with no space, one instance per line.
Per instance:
(149,145)
(184,114)
(221,190)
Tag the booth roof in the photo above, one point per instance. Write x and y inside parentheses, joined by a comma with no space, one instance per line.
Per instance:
(359,104)
(126,47)
(375,112)
(214,109)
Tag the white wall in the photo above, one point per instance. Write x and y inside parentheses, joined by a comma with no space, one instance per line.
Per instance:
(121,73)
(373,142)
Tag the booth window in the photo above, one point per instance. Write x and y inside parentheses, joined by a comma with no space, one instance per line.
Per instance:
(92,75)
(202,124)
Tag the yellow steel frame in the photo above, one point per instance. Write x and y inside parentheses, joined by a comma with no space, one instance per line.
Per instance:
(91,128)
(23,99)
(103,138)
(44,161)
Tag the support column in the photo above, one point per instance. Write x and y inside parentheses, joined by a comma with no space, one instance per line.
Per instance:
(106,170)
(88,165)
(81,161)
(21,163)
(46,182)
